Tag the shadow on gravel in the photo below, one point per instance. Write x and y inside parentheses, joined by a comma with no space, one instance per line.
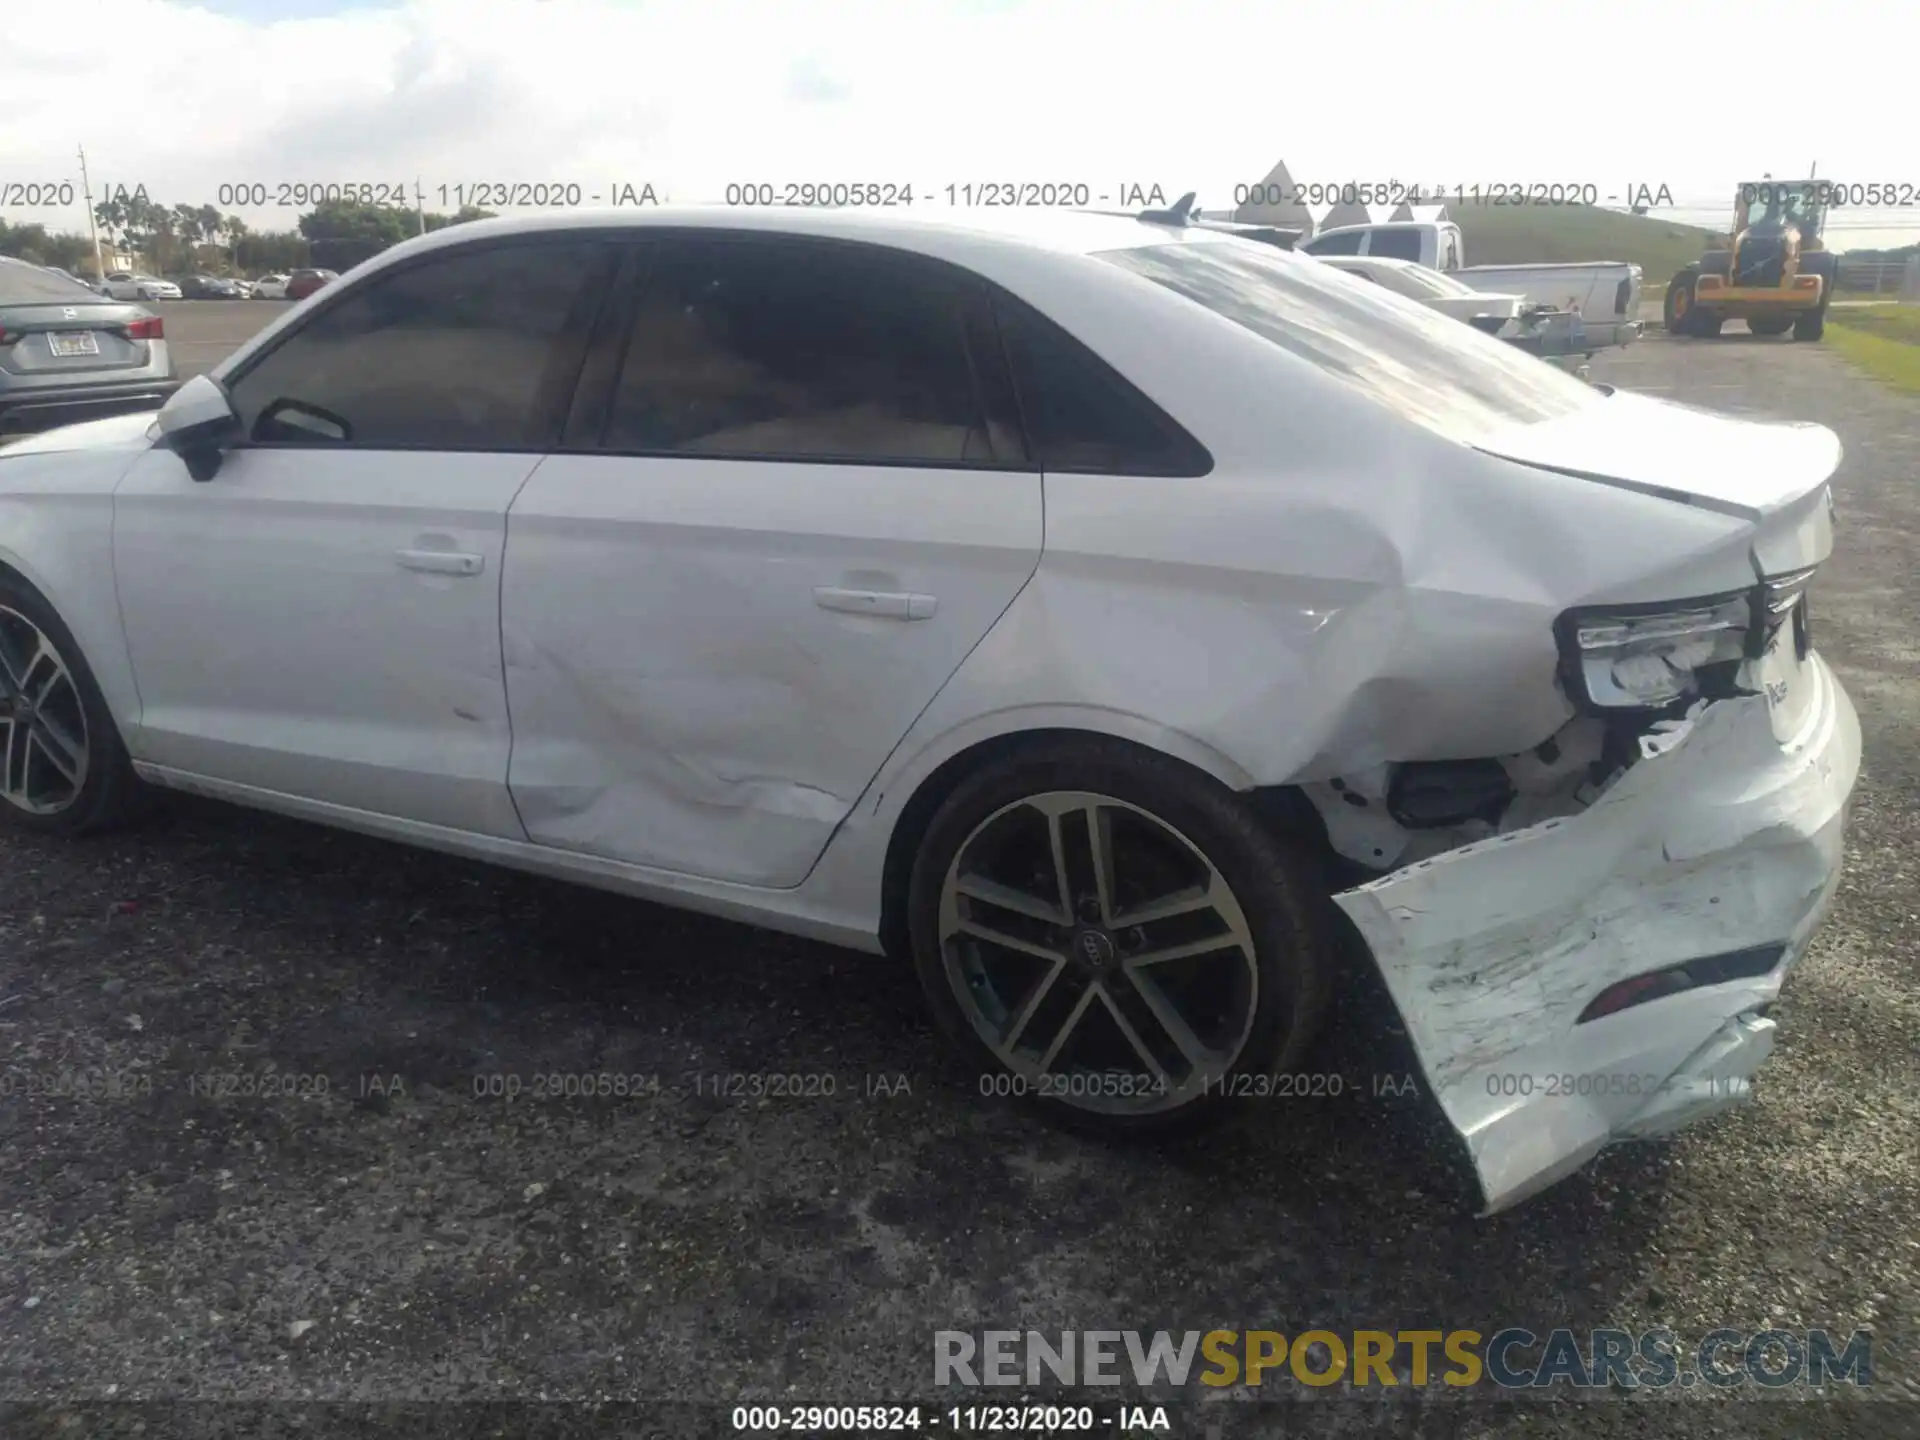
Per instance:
(769,1233)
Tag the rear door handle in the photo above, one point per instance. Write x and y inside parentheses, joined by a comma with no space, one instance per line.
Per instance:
(441,562)
(883,604)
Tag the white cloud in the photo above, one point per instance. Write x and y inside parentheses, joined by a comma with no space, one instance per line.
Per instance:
(1189,94)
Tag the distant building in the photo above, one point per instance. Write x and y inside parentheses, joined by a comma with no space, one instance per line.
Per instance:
(1272,202)
(1347,212)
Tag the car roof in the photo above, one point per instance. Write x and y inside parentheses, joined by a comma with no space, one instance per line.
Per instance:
(946,233)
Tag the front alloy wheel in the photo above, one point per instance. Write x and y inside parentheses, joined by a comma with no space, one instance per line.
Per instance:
(1115,937)
(63,768)
(43,721)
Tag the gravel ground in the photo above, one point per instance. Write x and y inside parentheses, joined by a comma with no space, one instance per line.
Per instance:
(399,1238)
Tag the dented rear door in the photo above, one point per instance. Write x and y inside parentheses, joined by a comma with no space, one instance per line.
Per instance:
(798,513)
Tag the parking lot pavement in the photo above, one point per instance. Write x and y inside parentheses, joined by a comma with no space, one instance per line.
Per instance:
(410,1234)
(201,333)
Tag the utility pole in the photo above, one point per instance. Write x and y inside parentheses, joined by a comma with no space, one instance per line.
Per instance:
(420,205)
(86,189)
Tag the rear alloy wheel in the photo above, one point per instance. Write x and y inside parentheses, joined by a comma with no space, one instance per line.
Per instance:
(1115,937)
(62,766)
(1770,324)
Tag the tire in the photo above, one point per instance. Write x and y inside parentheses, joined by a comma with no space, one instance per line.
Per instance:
(1249,1008)
(1770,324)
(1812,325)
(36,793)
(1677,312)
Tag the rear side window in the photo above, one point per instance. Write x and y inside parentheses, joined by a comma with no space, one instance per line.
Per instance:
(1336,244)
(1081,416)
(1422,365)
(1396,244)
(476,349)
(24,284)
(794,350)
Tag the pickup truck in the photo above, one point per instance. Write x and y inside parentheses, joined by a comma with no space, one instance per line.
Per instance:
(1554,335)
(1605,294)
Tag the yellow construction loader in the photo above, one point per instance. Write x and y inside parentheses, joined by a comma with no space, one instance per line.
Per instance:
(1775,272)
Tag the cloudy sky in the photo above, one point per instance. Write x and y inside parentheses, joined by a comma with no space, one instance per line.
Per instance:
(689,95)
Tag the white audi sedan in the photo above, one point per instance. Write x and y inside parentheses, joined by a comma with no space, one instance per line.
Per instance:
(1123,622)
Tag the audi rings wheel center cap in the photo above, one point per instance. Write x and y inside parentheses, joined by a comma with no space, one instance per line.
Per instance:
(1095,950)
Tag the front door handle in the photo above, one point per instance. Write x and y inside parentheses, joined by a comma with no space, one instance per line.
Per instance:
(441,562)
(882,604)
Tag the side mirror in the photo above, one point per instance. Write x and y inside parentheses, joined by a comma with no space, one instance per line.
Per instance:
(197,420)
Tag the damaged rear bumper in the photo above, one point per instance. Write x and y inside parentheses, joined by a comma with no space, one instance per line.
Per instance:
(1727,840)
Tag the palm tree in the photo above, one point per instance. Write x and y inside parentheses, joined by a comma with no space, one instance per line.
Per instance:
(233,230)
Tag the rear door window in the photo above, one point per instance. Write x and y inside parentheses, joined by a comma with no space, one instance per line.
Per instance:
(786,349)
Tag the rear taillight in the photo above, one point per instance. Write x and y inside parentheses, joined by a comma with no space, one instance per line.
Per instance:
(6,337)
(148,329)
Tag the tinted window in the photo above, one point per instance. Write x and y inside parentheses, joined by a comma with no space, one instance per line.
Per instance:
(24,284)
(461,352)
(1081,416)
(1449,250)
(1424,365)
(1396,244)
(802,351)
(1336,244)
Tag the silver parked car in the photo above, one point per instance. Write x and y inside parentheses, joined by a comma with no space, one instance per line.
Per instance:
(131,285)
(68,354)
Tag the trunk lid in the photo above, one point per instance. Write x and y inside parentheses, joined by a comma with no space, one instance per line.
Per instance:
(45,340)
(1737,466)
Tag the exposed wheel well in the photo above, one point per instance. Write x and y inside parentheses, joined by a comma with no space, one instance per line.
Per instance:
(1284,808)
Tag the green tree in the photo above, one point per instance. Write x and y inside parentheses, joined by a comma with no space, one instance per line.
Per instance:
(148,229)
(344,220)
(230,232)
(111,216)
(271,251)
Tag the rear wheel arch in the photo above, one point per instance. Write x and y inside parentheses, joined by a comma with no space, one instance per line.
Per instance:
(1283,809)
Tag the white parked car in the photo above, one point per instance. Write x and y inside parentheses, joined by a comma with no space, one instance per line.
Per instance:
(1489,311)
(270,287)
(1604,293)
(1087,609)
(130,285)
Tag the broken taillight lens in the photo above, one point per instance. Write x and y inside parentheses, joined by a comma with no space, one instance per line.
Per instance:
(1636,658)
(1647,657)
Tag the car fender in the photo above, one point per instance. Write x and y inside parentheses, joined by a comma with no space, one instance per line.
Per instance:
(56,533)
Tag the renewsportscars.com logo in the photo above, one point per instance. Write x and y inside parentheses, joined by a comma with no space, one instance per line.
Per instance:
(1511,1359)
